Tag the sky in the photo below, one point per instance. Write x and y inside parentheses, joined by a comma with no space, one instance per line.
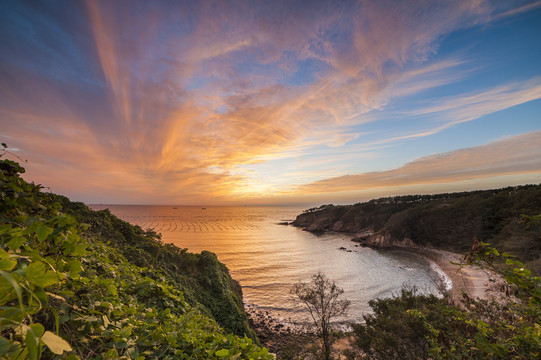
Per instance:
(271,102)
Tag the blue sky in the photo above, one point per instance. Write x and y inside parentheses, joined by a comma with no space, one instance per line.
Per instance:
(283,102)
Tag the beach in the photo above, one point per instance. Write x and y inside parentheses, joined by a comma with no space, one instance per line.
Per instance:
(471,280)
(458,279)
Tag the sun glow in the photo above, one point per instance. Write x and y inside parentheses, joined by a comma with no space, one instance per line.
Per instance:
(283,102)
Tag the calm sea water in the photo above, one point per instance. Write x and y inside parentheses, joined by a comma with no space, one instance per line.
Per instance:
(268,258)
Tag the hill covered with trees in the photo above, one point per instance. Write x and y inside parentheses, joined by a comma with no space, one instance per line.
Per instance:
(444,221)
(414,326)
(82,284)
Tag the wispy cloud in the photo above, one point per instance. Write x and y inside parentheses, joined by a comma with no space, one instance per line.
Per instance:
(514,155)
(173,101)
(467,107)
(505,13)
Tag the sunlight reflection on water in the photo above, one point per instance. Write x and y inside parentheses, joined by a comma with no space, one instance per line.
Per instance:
(268,258)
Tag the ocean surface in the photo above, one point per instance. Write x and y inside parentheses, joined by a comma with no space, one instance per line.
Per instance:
(268,258)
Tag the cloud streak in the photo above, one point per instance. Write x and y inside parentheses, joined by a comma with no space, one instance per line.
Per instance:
(472,106)
(176,100)
(515,155)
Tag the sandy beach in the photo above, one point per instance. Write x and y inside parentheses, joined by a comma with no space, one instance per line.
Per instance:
(472,280)
(476,282)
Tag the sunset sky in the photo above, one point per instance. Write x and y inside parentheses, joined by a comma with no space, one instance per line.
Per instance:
(271,102)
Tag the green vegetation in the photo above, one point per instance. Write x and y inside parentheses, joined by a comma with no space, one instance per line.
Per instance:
(78,284)
(204,281)
(412,326)
(444,221)
(426,327)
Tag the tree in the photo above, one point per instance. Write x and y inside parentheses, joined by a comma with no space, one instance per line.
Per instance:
(397,327)
(322,298)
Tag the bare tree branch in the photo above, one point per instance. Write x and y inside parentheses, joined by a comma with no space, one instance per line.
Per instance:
(321,297)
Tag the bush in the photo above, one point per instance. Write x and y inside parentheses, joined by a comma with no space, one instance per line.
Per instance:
(423,327)
(72,296)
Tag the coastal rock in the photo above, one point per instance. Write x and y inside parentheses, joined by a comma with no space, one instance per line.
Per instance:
(382,240)
(319,225)
(316,221)
(329,218)
(315,227)
(342,219)
(338,226)
(304,220)
(405,242)
(363,236)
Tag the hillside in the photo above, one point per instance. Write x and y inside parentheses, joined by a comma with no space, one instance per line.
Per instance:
(85,283)
(444,221)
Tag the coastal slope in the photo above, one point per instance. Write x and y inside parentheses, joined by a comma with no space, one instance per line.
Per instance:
(444,221)
(78,283)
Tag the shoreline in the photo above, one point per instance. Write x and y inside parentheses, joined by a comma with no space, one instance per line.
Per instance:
(476,282)
(280,339)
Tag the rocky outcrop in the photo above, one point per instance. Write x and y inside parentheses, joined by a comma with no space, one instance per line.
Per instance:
(315,221)
(330,218)
(443,221)
(382,240)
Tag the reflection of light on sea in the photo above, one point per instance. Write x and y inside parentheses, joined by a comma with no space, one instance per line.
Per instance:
(267,259)
(187,225)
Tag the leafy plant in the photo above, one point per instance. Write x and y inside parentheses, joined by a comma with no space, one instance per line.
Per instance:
(410,326)
(65,293)
(36,257)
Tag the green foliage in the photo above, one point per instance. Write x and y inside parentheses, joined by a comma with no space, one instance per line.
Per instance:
(426,327)
(396,329)
(61,292)
(410,326)
(128,314)
(37,257)
(205,281)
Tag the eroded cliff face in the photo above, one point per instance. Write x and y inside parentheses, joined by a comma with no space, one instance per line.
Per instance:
(314,222)
(333,218)
(330,218)
(382,240)
(444,221)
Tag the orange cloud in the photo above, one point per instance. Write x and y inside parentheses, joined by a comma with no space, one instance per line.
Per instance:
(515,155)
(189,96)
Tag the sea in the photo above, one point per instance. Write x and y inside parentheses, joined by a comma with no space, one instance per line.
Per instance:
(267,257)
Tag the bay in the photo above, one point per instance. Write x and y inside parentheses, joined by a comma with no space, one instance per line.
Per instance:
(268,258)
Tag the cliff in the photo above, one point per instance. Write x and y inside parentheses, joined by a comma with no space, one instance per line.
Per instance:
(445,221)
(78,283)
(204,281)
